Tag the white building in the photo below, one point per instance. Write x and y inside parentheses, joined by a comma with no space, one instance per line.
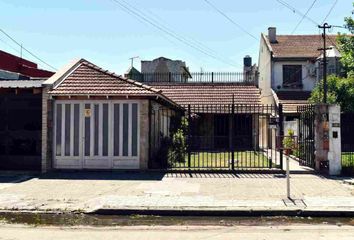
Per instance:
(290,67)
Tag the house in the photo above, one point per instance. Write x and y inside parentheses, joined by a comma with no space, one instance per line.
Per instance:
(95,119)
(160,69)
(20,113)
(208,96)
(290,66)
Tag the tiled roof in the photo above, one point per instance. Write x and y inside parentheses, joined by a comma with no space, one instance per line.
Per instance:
(292,99)
(300,46)
(219,93)
(88,79)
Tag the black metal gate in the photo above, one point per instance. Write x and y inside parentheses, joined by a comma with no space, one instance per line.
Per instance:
(210,137)
(306,138)
(347,130)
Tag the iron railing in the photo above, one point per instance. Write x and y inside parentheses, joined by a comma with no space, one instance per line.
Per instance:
(306,139)
(227,137)
(196,77)
(347,142)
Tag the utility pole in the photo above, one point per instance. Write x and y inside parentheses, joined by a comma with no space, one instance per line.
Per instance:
(324,49)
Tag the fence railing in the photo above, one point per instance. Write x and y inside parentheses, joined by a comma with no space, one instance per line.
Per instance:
(347,142)
(196,77)
(228,137)
(306,139)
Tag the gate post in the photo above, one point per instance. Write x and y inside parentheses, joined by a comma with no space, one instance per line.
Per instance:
(232,134)
(189,135)
(281,133)
(327,139)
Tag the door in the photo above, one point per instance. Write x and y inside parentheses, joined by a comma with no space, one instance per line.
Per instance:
(96,134)
(67,135)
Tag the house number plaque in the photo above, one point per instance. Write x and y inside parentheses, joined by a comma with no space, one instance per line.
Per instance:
(87,112)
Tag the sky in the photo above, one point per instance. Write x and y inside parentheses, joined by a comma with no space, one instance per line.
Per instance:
(107,34)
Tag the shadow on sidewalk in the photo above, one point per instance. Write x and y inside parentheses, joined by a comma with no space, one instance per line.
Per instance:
(104,175)
(224,175)
(14,178)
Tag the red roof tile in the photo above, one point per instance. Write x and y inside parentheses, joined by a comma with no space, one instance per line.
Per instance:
(219,93)
(300,46)
(88,79)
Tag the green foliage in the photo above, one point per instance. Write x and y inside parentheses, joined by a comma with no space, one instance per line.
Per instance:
(174,147)
(289,140)
(340,91)
(290,144)
(179,145)
(346,47)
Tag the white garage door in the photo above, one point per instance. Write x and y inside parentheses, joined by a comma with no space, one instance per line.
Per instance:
(96,134)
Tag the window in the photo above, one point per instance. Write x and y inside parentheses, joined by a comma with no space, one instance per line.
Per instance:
(292,76)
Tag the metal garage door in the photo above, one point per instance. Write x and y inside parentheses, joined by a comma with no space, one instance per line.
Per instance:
(96,134)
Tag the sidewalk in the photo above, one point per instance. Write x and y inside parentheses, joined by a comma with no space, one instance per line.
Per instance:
(114,192)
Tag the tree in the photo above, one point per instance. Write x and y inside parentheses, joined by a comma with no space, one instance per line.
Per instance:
(340,91)
(346,46)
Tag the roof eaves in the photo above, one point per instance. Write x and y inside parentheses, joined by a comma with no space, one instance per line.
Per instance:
(62,73)
(266,40)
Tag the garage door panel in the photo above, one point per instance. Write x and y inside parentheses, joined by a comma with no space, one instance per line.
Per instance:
(98,132)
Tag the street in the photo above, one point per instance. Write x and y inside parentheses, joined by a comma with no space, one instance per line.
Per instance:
(297,232)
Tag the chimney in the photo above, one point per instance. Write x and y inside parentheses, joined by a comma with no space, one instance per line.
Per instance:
(272,34)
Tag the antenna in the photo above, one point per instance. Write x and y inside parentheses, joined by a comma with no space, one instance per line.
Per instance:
(132,60)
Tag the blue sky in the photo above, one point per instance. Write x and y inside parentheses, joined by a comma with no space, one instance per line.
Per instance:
(101,32)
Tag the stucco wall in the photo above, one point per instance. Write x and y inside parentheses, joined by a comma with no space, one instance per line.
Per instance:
(264,68)
(307,80)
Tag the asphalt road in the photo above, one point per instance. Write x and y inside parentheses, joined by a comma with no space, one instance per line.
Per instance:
(296,232)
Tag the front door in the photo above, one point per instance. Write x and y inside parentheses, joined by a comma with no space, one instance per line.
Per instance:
(96,134)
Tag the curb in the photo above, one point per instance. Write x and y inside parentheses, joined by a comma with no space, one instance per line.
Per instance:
(225,213)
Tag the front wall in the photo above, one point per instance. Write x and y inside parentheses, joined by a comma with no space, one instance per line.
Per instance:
(83,155)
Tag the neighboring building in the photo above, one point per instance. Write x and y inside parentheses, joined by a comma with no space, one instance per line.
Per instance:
(20,113)
(290,67)
(160,69)
(13,67)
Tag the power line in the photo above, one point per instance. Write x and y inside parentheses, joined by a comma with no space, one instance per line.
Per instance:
(32,54)
(7,44)
(330,11)
(168,32)
(303,17)
(160,20)
(231,20)
(163,24)
(296,11)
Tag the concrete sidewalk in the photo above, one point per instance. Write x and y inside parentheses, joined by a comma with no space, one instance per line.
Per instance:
(110,192)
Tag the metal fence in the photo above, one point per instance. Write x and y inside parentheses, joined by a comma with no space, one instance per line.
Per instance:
(347,130)
(227,137)
(306,138)
(196,77)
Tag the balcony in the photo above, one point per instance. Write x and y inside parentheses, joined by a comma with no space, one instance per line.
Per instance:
(248,78)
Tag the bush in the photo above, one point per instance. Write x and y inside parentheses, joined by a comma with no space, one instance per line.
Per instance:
(289,142)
